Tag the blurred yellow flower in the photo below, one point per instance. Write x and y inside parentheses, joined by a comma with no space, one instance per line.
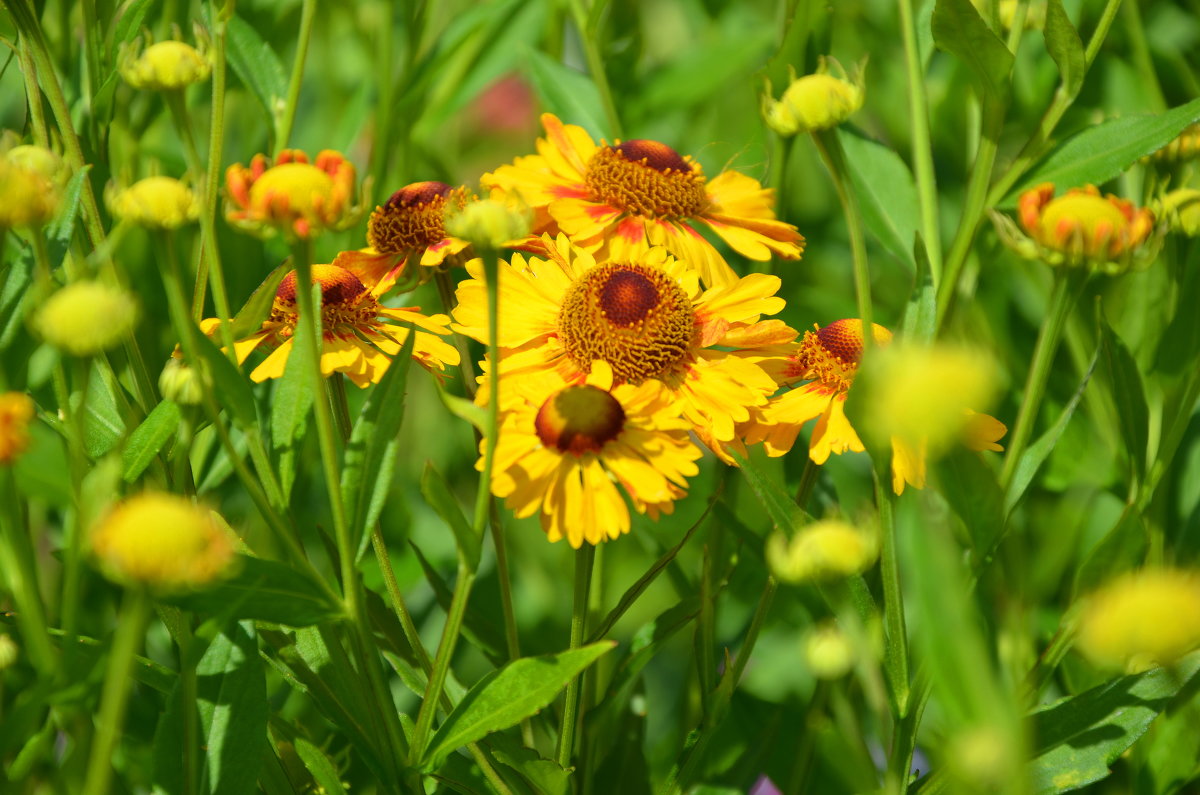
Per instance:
(85,318)
(828,549)
(161,541)
(828,652)
(293,195)
(154,202)
(1142,619)
(815,102)
(490,223)
(31,180)
(162,66)
(1181,209)
(16,411)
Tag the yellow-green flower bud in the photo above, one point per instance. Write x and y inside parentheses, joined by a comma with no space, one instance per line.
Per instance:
(822,550)
(1181,208)
(489,223)
(180,383)
(31,179)
(815,102)
(85,318)
(155,202)
(828,652)
(163,66)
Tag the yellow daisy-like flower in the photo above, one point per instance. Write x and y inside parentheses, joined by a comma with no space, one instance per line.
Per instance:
(1142,619)
(163,541)
(16,411)
(646,318)
(154,202)
(406,230)
(618,200)
(292,195)
(827,359)
(360,336)
(565,446)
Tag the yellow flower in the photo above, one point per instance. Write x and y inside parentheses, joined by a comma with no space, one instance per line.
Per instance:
(1181,208)
(828,653)
(565,446)
(616,201)
(815,102)
(154,202)
(85,318)
(1142,619)
(407,229)
(293,195)
(1080,229)
(646,318)
(31,179)
(828,360)
(163,66)
(360,335)
(827,549)
(162,541)
(16,411)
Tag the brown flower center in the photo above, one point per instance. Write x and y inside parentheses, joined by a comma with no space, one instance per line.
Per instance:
(831,354)
(345,301)
(579,419)
(411,218)
(635,317)
(646,178)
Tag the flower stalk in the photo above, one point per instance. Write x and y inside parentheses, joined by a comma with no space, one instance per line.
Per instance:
(585,558)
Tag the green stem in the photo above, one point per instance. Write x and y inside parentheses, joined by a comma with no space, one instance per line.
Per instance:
(283,130)
(441,664)
(830,148)
(595,59)
(1141,55)
(585,557)
(808,479)
(115,696)
(905,740)
(33,94)
(208,213)
(1059,307)
(18,565)
(78,464)
(381,152)
(922,150)
(895,653)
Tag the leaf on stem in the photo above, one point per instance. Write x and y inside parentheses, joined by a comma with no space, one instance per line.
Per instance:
(567,93)
(263,590)
(886,193)
(148,438)
(958,29)
(439,496)
(1120,372)
(1064,46)
(256,64)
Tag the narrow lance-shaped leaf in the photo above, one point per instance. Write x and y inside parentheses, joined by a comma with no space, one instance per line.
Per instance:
(886,193)
(148,438)
(1064,46)
(785,514)
(437,493)
(958,29)
(1124,380)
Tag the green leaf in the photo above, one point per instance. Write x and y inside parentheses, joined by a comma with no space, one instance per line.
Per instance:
(370,457)
(479,628)
(886,193)
(970,487)
(62,227)
(293,398)
(1079,737)
(1064,46)
(779,505)
(1121,548)
(920,313)
(250,317)
(103,426)
(1124,380)
(127,26)
(464,409)
(437,493)
(1101,152)
(256,64)
(1179,345)
(318,764)
(505,697)
(567,93)
(958,29)
(148,438)
(264,590)
(230,385)
(547,776)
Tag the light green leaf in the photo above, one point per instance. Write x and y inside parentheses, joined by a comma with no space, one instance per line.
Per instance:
(148,438)
(230,385)
(256,64)
(437,493)
(567,93)
(886,193)
(920,313)
(293,398)
(959,30)
(1064,46)
(232,702)
(318,764)
(251,316)
(1125,384)
(785,514)
(127,26)
(505,697)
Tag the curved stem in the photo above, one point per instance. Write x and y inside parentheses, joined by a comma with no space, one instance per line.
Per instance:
(283,130)
(922,151)
(830,148)
(585,557)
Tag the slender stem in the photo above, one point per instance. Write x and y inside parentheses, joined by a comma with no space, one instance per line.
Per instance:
(441,664)
(1136,34)
(595,59)
(830,148)
(445,288)
(208,213)
(18,565)
(585,557)
(808,479)
(115,695)
(283,129)
(895,653)
(1101,32)
(1061,299)
(33,94)
(905,740)
(78,465)
(922,151)
(384,64)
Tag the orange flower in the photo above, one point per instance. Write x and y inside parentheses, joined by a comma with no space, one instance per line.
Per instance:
(293,195)
(1082,228)
(16,410)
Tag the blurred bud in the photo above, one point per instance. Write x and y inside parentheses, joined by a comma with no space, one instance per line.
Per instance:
(31,181)
(154,202)
(1142,619)
(180,383)
(16,412)
(1181,149)
(163,66)
(982,759)
(161,541)
(489,223)
(85,318)
(822,550)
(1181,209)
(293,196)
(9,652)
(828,652)
(815,102)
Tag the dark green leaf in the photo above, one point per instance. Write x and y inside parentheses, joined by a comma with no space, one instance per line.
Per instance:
(779,505)
(62,227)
(293,398)
(959,30)
(256,64)
(1099,153)
(1124,381)
(546,776)
(567,93)
(231,387)
(437,493)
(1064,46)
(1078,738)
(886,193)
(148,438)
(264,590)
(250,317)
(920,313)
(1180,343)
(505,697)
(318,764)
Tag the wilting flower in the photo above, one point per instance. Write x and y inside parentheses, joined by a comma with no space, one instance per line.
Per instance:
(85,318)
(163,66)
(1182,148)
(1181,209)
(154,202)
(565,446)
(1080,229)
(16,411)
(293,195)
(828,360)
(360,336)
(617,200)
(407,230)
(815,102)
(828,549)
(1141,619)
(646,318)
(31,180)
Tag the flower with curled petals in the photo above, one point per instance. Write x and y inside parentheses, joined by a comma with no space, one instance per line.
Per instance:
(615,201)
(565,447)
(646,318)
(359,335)
(292,195)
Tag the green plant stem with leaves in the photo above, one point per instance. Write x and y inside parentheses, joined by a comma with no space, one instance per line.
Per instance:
(587,22)
(585,557)
(829,146)
(18,567)
(895,652)
(922,151)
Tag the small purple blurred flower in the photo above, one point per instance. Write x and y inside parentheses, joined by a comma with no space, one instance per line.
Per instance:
(764,786)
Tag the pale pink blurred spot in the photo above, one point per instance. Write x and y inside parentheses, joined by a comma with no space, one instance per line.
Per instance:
(506,105)
(764,786)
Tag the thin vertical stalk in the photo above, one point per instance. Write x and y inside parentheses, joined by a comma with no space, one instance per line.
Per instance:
(585,557)
(1132,20)
(33,94)
(922,151)
(216,146)
(283,130)
(441,664)
(595,59)
(830,149)
(19,567)
(895,653)
(385,66)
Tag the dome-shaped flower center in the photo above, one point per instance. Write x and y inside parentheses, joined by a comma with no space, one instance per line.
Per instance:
(411,219)
(338,286)
(306,187)
(831,354)
(646,178)
(579,419)
(1086,213)
(346,304)
(635,317)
